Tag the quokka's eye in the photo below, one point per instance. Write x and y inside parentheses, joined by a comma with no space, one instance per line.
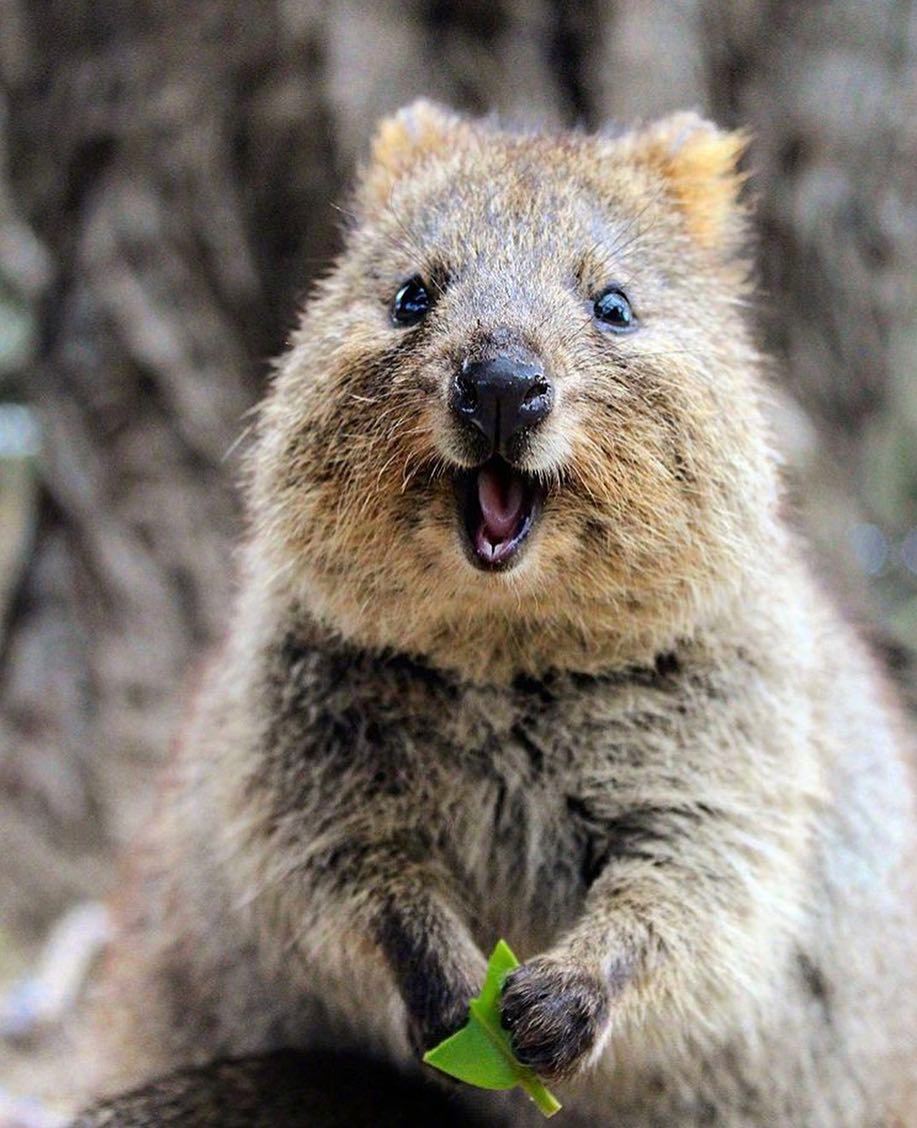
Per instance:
(613,309)
(411,303)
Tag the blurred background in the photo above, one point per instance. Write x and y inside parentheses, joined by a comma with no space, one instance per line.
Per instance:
(167,179)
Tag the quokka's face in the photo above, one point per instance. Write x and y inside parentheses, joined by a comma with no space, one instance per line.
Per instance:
(523,399)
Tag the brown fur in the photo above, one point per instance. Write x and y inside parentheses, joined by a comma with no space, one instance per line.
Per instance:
(650,756)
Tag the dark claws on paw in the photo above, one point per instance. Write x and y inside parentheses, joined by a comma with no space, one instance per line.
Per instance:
(554,1014)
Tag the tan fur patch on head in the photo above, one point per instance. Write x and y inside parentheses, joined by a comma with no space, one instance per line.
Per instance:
(700,164)
(417,132)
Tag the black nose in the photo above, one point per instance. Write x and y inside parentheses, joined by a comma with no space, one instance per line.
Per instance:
(502,397)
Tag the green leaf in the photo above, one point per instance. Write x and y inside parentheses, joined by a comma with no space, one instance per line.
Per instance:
(481,1053)
(469,1055)
(501,963)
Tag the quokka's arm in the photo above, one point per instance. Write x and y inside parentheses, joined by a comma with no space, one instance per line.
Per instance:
(387,890)
(671,925)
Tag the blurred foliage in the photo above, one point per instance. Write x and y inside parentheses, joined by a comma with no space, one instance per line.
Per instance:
(18,447)
(889,488)
(17,327)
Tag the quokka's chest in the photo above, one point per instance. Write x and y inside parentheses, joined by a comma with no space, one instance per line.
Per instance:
(514,791)
(522,853)
(510,795)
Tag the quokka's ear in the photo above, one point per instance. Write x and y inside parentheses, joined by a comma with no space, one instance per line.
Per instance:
(419,130)
(699,162)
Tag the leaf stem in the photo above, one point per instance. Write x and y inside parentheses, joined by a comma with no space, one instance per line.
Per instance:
(528,1080)
(547,1103)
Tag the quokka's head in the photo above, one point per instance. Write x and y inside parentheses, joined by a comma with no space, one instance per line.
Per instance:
(518,426)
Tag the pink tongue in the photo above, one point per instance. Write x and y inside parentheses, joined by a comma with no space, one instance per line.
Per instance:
(501,500)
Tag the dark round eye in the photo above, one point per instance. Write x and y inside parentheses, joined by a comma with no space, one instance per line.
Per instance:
(614,310)
(411,303)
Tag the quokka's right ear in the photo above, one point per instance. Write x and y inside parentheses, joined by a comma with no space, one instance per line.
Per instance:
(402,141)
(699,164)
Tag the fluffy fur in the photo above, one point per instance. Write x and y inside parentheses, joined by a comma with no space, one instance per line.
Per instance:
(650,755)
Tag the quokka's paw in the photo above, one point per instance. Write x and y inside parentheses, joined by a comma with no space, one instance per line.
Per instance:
(556,1013)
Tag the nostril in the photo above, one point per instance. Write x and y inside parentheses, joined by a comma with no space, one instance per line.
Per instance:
(539,389)
(468,393)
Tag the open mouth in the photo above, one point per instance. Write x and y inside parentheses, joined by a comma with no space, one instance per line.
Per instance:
(498,508)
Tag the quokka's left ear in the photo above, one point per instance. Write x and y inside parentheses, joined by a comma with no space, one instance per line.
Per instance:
(699,163)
